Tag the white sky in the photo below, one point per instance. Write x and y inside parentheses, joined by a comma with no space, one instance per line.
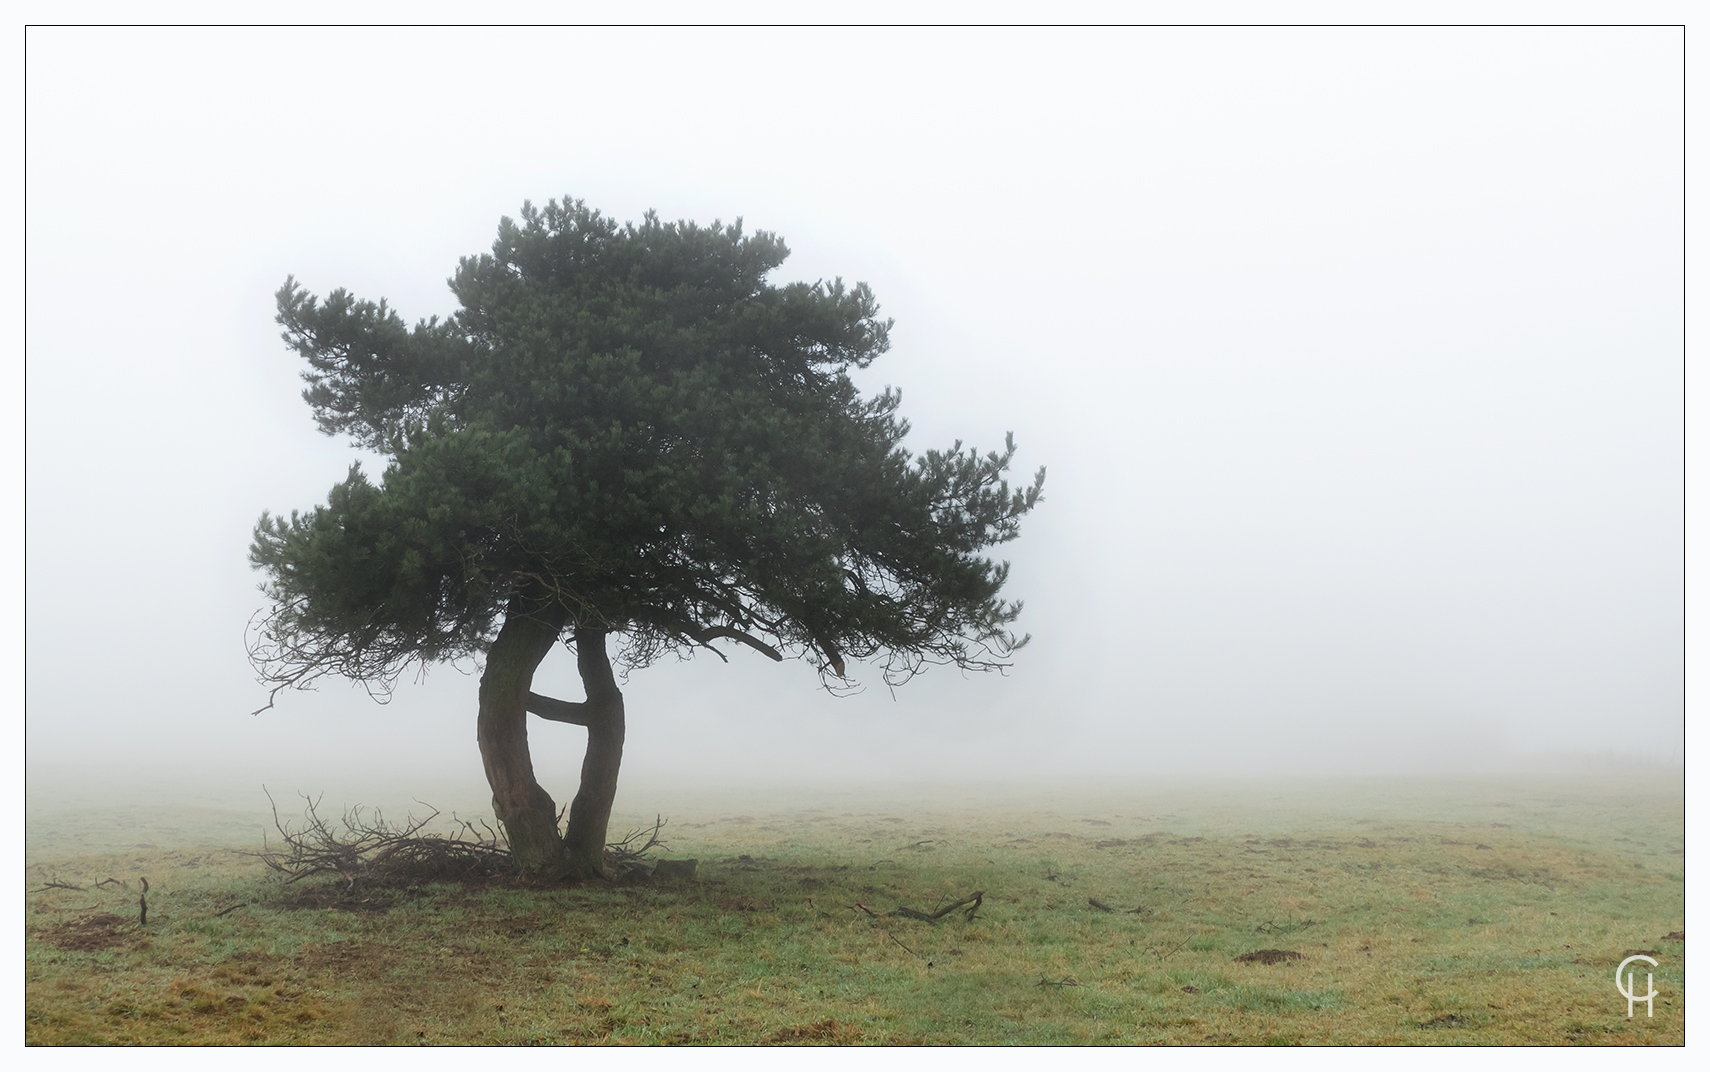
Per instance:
(1355,356)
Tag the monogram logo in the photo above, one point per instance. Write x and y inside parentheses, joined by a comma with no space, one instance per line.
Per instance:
(1626,988)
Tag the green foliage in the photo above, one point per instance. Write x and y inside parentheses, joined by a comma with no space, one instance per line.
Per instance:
(629,429)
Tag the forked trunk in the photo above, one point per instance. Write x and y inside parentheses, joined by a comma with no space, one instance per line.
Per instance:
(591,811)
(525,809)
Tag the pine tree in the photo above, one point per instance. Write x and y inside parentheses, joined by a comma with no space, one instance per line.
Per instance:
(624,436)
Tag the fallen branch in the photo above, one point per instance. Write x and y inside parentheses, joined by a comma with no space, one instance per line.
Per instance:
(972,899)
(57,886)
(233,908)
(1067,980)
(1100,905)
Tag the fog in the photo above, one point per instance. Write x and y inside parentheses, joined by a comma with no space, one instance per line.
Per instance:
(1354,355)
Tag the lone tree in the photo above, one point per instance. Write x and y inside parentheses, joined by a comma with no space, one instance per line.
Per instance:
(624,432)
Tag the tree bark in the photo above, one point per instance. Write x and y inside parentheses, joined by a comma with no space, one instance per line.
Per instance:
(602,713)
(524,809)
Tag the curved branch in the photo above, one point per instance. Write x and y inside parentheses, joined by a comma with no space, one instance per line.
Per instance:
(680,624)
(717,631)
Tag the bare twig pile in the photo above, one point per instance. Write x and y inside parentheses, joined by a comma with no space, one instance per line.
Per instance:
(375,852)
(363,848)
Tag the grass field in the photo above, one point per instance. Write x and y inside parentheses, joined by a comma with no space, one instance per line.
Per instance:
(1476,912)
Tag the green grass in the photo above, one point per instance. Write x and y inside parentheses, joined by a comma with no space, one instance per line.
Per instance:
(1411,932)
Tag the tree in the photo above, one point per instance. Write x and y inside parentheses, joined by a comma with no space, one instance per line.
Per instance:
(623,432)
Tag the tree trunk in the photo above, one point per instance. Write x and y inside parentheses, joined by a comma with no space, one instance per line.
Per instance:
(524,809)
(591,811)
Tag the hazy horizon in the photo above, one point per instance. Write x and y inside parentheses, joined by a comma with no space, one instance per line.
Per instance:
(1354,355)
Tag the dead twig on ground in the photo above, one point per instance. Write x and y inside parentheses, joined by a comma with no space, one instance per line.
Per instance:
(57,886)
(1067,980)
(1100,905)
(1163,954)
(627,852)
(1273,927)
(972,902)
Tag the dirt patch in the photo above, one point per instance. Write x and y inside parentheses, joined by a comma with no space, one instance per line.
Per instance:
(250,968)
(1448,1019)
(745,904)
(1268,956)
(823,1033)
(92,933)
(347,960)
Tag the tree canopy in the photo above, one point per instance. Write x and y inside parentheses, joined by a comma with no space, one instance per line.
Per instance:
(627,430)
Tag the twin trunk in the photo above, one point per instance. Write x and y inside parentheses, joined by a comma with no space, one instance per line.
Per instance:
(525,809)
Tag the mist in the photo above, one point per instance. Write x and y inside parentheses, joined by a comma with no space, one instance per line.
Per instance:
(1354,355)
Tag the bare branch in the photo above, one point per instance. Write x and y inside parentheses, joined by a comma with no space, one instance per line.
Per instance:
(717,631)
(546,707)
